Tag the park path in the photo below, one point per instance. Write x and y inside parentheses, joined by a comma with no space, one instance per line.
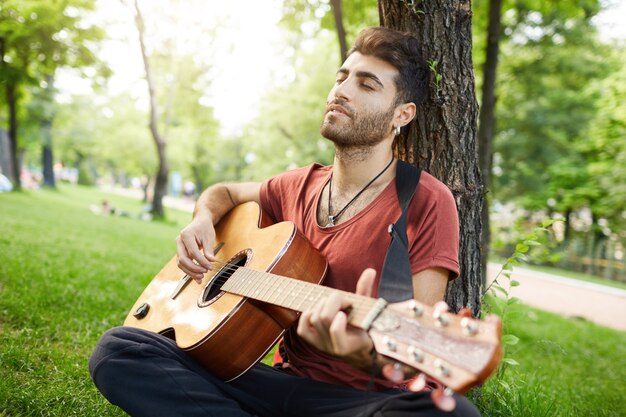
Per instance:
(569,297)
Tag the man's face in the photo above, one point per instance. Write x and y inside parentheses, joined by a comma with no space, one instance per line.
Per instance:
(361,105)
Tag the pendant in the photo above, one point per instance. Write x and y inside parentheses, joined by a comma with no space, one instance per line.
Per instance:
(331,221)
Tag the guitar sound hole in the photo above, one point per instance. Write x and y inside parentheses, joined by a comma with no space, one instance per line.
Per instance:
(214,288)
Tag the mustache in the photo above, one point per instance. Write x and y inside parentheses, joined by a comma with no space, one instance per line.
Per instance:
(339,105)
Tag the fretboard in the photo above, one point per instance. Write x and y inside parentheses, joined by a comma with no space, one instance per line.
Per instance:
(297,295)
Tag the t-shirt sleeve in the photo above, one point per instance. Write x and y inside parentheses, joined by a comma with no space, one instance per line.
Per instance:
(280,194)
(434,238)
(270,198)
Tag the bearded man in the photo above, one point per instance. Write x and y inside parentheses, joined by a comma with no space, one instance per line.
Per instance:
(344,211)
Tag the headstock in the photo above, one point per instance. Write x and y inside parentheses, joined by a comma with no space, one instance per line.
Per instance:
(460,352)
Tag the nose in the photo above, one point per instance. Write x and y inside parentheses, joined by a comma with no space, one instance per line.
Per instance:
(342,91)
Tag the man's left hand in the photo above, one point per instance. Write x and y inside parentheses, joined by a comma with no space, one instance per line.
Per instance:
(326,327)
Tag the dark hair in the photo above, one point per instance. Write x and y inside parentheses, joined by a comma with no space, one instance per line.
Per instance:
(400,49)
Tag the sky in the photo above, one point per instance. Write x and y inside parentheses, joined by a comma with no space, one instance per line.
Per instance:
(246,59)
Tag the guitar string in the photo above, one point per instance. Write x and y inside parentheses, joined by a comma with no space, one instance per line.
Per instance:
(230,267)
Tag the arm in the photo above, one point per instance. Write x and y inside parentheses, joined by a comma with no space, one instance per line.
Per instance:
(194,244)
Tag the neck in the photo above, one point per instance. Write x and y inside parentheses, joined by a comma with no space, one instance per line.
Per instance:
(355,166)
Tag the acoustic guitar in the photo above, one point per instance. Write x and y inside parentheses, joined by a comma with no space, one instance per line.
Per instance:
(265,275)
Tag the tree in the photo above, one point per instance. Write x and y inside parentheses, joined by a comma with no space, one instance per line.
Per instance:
(36,38)
(160,185)
(486,121)
(442,138)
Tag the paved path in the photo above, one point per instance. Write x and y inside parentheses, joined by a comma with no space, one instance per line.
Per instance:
(569,297)
(572,298)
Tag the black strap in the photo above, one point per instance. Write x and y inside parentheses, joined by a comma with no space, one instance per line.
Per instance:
(396,282)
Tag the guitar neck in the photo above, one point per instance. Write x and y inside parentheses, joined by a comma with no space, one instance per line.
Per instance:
(299,295)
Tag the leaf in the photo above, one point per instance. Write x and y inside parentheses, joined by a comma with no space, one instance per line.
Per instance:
(531,243)
(522,257)
(547,222)
(512,300)
(514,283)
(520,247)
(504,385)
(502,290)
(510,339)
(510,361)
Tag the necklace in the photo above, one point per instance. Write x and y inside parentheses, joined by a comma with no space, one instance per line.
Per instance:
(333,218)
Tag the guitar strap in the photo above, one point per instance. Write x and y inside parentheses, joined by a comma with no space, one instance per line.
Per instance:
(396,282)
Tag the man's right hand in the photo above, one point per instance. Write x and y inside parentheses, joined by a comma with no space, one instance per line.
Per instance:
(194,247)
(194,244)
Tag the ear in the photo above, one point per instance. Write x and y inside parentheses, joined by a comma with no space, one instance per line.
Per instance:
(404,114)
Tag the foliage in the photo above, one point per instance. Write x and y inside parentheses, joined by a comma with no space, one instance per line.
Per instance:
(290,117)
(37,38)
(308,18)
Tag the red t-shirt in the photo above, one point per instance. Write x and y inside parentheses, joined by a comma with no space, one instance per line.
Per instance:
(358,243)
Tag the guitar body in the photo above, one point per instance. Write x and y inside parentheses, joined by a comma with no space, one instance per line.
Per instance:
(229,333)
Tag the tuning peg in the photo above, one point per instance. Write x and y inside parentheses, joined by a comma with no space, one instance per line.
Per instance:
(416,354)
(390,343)
(439,313)
(416,308)
(443,399)
(469,326)
(393,372)
(418,383)
(442,369)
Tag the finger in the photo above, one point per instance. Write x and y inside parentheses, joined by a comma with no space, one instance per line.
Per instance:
(329,308)
(207,251)
(305,329)
(365,285)
(186,264)
(193,246)
(338,332)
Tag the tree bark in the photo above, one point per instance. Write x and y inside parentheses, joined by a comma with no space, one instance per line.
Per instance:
(341,32)
(47,157)
(487,121)
(160,184)
(11,95)
(442,138)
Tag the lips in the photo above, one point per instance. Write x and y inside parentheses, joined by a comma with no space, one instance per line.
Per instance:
(336,108)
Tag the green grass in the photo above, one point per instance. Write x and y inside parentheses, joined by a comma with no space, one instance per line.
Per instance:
(567,367)
(67,275)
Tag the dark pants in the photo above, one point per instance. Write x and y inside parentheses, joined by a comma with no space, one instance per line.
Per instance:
(147,375)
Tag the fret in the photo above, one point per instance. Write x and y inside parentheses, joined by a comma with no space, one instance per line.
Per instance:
(272,282)
(264,286)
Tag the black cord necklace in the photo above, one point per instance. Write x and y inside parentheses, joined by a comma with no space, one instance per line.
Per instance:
(331,218)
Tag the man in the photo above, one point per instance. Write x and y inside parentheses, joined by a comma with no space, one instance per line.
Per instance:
(344,210)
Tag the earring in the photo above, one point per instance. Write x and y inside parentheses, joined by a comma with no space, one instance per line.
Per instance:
(397,129)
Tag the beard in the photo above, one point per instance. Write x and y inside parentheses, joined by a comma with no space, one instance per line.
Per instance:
(360,130)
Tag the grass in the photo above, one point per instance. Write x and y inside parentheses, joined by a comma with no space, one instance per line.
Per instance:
(567,367)
(67,275)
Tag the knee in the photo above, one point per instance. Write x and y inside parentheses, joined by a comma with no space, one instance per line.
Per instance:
(112,341)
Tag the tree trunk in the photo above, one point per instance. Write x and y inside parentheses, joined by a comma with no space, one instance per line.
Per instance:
(487,121)
(160,184)
(442,138)
(47,157)
(15,160)
(341,32)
